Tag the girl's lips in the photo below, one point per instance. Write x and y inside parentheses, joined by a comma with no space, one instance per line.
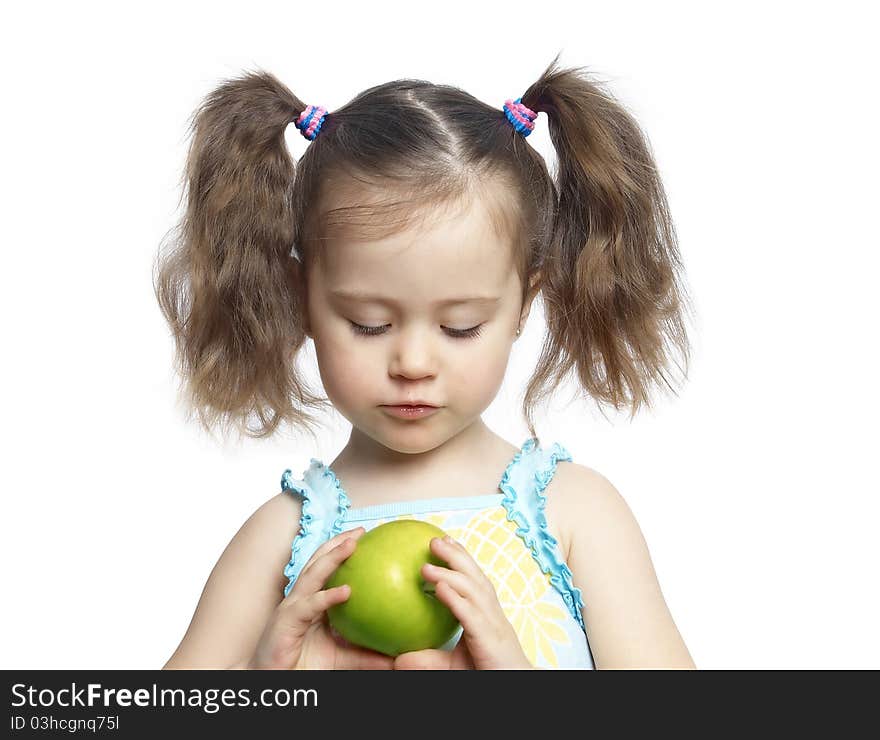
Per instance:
(410,412)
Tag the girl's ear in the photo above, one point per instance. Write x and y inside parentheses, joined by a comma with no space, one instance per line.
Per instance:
(307,327)
(301,287)
(534,287)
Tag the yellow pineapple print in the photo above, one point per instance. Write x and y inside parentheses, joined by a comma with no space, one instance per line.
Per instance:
(519,583)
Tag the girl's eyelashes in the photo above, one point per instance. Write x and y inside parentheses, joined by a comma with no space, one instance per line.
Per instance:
(456,333)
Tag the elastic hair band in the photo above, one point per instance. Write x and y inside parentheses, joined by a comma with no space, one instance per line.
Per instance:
(310,120)
(520,117)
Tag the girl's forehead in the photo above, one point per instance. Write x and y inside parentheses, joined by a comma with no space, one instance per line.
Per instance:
(462,244)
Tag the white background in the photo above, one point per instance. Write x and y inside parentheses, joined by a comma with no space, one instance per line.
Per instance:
(756,489)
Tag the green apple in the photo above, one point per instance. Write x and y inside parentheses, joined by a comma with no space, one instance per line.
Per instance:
(391,608)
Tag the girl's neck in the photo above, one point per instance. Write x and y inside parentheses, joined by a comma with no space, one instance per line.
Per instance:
(470,463)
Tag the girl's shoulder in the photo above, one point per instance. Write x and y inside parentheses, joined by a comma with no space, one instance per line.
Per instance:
(627,618)
(277,522)
(575,490)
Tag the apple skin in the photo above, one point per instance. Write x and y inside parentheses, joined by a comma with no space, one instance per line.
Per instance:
(389,609)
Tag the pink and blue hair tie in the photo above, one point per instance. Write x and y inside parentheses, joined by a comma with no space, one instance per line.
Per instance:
(520,117)
(310,120)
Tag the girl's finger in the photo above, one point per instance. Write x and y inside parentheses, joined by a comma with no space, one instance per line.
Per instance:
(465,612)
(459,581)
(361,659)
(457,659)
(330,544)
(302,613)
(313,579)
(429,659)
(457,557)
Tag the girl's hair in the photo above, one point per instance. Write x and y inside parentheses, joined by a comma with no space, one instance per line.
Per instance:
(597,235)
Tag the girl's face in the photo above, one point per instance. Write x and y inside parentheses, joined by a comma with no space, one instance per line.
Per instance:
(423,292)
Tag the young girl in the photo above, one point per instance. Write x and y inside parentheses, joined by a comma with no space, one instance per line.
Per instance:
(408,243)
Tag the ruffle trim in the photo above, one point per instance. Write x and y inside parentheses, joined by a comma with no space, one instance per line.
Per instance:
(528,513)
(322,515)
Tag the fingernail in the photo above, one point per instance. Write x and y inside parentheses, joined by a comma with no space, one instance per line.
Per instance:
(448,539)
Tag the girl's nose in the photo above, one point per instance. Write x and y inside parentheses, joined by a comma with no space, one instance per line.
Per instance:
(412,355)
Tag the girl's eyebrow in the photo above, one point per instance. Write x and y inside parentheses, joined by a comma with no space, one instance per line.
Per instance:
(367,298)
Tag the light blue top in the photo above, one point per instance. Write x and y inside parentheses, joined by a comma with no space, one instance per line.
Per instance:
(505,532)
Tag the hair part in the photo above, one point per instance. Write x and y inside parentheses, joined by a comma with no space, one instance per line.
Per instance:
(598,237)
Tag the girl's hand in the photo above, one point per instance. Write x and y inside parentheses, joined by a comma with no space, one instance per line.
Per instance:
(298,636)
(488,640)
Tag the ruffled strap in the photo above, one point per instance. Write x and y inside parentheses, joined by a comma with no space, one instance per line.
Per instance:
(324,505)
(523,483)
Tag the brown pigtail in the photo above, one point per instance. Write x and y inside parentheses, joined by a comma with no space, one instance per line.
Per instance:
(612,289)
(229,288)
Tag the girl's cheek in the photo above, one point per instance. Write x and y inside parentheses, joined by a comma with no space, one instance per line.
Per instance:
(347,373)
(479,388)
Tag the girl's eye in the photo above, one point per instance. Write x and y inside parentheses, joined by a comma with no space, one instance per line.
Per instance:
(456,333)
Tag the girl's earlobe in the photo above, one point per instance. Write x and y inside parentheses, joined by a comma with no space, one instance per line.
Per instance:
(534,285)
